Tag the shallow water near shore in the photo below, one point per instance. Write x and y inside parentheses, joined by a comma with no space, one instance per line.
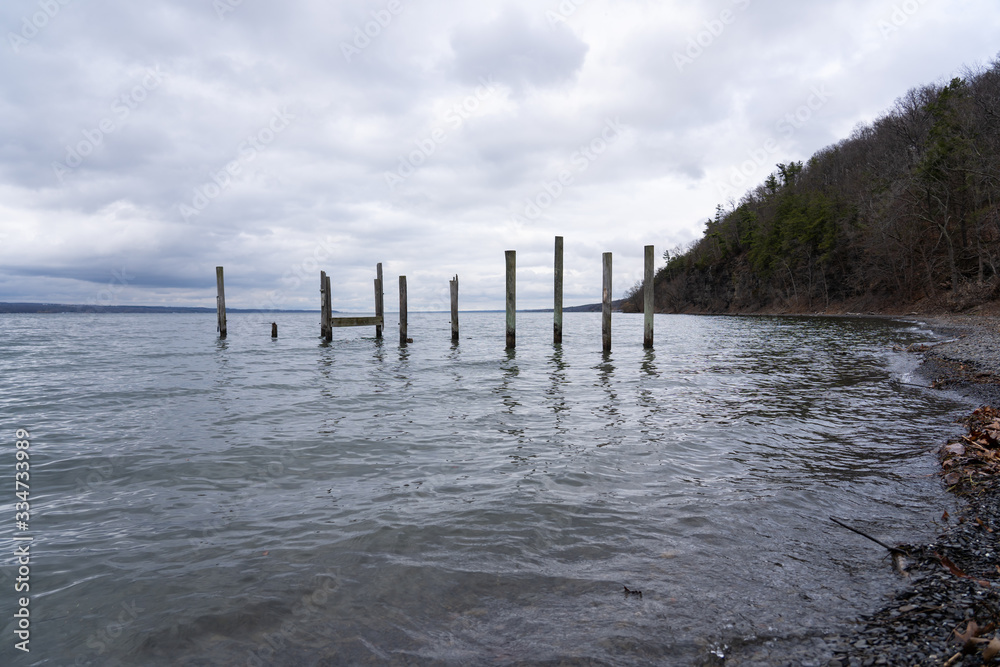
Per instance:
(285,502)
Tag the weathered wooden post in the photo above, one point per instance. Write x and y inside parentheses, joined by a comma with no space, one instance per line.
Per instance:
(606,304)
(274,329)
(648,302)
(453,284)
(220,301)
(329,311)
(323,318)
(379,306)
(511,256)
(557,306)
(402,311)
(326,327)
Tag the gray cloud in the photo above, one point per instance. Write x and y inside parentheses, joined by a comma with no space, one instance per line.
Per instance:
(374,86)
(517,51)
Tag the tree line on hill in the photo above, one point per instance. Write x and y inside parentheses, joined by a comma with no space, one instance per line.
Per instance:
(905,210)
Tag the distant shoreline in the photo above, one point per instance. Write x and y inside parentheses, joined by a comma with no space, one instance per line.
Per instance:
(54,308)
(45,308)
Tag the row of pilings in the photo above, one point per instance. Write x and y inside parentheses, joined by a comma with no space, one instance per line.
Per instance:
(328,322)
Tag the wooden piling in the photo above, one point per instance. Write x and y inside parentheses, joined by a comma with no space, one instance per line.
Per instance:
(453,284)
(648,301)
(326,327)
(329,311)
(379,306)
(323,318)
(402,311)
(557,306)
(511,256)
(220,301)
(274,329)
(606,304)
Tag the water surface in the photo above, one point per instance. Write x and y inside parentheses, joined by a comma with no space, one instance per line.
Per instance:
(286,502)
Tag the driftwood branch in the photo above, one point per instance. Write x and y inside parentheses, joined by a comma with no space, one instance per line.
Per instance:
(893,550)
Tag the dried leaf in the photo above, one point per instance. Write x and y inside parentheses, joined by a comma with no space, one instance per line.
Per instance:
(951,566)
(944,517)
(992,650)
(966,638)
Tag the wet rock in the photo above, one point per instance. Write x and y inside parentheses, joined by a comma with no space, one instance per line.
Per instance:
(956,449)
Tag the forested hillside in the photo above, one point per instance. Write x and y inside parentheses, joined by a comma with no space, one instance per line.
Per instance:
(904,211)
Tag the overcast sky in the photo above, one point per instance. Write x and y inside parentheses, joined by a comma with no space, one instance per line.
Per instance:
(144,143)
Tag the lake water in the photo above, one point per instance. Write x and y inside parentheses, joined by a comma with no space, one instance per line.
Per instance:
(286,502)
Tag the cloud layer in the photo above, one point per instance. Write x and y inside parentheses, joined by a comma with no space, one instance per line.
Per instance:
(143,144)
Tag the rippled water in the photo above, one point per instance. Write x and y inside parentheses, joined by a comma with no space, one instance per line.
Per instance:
(256,501)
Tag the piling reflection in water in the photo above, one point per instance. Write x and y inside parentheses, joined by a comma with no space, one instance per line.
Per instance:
(556,392)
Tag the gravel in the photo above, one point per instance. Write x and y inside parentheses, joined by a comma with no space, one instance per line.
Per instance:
(970,359)
(951,582)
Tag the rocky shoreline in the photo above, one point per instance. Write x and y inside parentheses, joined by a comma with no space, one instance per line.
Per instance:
(970,361)
(949,609)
